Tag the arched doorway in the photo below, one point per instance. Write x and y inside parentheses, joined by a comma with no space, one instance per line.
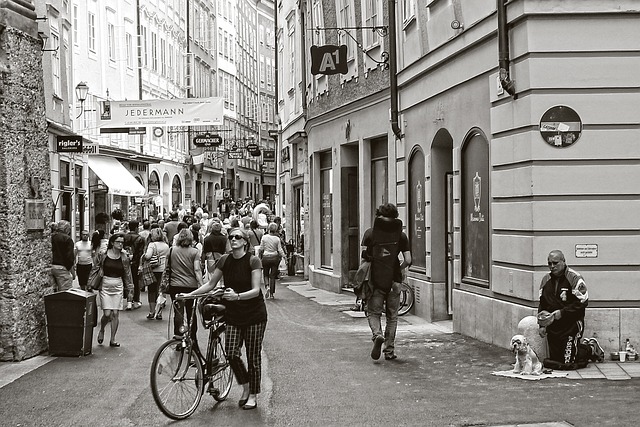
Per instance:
(442,223)
(166,193)
(155,199)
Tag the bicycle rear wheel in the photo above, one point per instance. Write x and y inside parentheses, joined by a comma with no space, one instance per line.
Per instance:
(176,380)
(406,299)
(222,377)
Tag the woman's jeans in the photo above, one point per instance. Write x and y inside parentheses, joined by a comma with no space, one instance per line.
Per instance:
(179,308)
(270,265)
(375,306)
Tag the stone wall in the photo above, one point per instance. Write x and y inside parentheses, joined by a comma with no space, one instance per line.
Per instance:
(25,256)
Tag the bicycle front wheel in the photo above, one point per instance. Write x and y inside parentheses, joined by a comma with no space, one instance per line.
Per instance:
(221,374)
(176,380)
(406,299)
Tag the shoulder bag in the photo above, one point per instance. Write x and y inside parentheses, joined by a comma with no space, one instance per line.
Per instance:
(154,261)
(96,274)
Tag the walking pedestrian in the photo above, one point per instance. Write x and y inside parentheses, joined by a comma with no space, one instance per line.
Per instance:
(134,246)
(255,237)
(159,248)
(563,300)
(116,281)
(185,275)
(271,252)
(84,260)
(381,246)
(246,313)
(215,245)
(62,262)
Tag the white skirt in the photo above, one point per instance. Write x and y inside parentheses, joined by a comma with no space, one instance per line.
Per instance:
(112,293)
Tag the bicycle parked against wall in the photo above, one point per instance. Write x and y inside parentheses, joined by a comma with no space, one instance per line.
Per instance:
(180,372)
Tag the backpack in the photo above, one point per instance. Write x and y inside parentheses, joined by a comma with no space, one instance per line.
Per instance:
(384,252)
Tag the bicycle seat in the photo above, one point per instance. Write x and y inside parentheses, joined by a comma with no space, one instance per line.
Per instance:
(209,311)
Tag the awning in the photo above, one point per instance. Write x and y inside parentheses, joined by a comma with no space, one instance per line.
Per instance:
(116,176)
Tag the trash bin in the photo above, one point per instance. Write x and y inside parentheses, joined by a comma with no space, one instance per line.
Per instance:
(70,321)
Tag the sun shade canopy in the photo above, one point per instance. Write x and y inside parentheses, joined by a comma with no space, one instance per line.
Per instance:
(116,176)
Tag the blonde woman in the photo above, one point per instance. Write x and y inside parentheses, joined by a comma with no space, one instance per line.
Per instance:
(271,252)
(116,280)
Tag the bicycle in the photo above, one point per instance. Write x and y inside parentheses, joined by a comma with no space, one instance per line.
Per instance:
(407,300)
(179,371)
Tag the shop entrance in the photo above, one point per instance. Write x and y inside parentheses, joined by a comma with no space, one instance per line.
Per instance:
(350,220)
(442,224)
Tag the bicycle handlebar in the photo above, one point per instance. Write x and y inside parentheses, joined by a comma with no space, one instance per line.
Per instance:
(215,293)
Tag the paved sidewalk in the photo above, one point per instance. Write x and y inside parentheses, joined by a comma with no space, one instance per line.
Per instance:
(609,370)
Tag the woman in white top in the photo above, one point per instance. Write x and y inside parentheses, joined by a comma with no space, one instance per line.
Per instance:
(84,260)
(271,252)
(158,247)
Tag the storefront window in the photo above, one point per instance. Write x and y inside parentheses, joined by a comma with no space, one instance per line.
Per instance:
(475,210)
(416,226)
(326,192)
(176,192)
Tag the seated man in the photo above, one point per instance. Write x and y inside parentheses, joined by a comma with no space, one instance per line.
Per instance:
(563,300)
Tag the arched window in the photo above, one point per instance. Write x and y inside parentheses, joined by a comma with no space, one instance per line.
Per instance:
(416,209)
(475,210)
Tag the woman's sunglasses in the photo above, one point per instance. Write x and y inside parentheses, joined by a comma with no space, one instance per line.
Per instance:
(236,237)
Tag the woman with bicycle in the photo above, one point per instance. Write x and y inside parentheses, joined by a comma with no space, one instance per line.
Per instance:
(246,312)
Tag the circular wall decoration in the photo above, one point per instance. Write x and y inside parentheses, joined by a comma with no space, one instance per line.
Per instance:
(158,132)
(560,126)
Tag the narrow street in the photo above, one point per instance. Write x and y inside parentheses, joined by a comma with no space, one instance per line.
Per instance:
(317,371)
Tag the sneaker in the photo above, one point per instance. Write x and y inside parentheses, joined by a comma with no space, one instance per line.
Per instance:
(390,356)
(129,306)
(597,350)
(137,304)
(377,347)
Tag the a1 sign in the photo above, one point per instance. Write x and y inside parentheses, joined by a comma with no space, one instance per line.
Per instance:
(329,59)
(69,143)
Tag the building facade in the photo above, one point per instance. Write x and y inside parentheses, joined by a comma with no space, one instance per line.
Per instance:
(512,138)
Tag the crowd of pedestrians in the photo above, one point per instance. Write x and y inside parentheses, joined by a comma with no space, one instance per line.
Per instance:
(163,255)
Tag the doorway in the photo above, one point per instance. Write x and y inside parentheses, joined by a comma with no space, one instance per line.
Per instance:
(442,227)
(350,221)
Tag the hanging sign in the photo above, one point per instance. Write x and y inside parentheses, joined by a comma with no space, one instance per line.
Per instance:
(329,59)
(269,155)
(163,112)
(207,140)
(69,143)
(560,126)
(235,155)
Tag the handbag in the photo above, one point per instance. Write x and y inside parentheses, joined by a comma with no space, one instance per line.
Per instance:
(146,274)
(154,261)
(95,278)
(165,280)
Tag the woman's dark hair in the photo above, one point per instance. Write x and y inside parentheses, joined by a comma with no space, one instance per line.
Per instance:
(113,238)
(253,224)
(96,238)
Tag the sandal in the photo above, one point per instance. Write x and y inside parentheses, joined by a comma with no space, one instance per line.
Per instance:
(151,316)
(100,337)
(114,344)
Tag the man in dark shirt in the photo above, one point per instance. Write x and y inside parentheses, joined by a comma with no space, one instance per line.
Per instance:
(62,262)
(215,245)
(171,227)
(382,244)
(563,300)
(134,244)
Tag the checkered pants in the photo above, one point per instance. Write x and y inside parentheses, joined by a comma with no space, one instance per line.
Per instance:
(251,336)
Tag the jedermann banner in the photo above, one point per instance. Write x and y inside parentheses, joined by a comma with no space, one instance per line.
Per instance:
(161,112)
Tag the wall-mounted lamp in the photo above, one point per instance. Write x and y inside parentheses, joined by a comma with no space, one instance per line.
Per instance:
(82,90)
(44,37)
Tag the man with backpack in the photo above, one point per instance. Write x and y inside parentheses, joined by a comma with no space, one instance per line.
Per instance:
(381,246)
(134,244)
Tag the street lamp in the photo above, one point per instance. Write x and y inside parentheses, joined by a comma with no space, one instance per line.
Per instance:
(82,90)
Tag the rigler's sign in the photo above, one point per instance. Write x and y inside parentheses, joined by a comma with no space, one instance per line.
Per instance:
(329,59)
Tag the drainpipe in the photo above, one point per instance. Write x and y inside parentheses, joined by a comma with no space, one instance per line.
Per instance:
(303,58)
(503,49)
(393,78)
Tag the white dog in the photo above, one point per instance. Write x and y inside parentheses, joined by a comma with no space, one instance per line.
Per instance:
(527,362)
